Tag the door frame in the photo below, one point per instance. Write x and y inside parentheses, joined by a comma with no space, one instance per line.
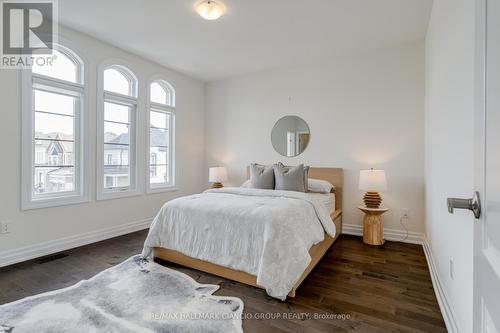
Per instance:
(480,149)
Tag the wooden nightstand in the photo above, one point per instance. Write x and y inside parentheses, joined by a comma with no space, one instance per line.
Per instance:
(373,226)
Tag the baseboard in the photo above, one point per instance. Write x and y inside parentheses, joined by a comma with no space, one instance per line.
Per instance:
(389,234)
(14,256)
(441,295)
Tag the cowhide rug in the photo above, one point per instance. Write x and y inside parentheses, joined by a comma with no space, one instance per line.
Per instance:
(137,295)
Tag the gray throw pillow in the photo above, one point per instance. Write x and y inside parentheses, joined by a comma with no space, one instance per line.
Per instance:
(306,174)
(261,176)
(291,178)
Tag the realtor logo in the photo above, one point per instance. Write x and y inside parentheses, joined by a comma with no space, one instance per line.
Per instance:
(28,27)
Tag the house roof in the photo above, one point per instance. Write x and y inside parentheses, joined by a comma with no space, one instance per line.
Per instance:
(46,143)
(157,138)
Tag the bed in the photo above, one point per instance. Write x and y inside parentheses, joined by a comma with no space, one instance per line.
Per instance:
(222,231)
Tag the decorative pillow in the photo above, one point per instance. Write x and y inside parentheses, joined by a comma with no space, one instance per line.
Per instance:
(306,172)
(319,186)
(291,178)
(261,176)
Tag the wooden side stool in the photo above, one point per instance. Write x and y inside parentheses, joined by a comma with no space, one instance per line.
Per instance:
(373,226)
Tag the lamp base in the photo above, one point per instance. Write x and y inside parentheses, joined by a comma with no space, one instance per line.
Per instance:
(372,199)
(217,185)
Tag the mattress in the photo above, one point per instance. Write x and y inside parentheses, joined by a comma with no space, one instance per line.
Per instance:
(327,200)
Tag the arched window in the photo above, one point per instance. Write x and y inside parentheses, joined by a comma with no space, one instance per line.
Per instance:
(119,122)
(120,80)
(53,107)
(161,135)
(66,66)
(162,93)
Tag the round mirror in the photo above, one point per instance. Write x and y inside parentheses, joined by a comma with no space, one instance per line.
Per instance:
(290,136)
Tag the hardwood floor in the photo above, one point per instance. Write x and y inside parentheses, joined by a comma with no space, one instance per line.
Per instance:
(384,289)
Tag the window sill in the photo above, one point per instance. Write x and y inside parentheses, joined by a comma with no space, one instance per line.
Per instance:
(109,195)
(54,202)
(155,190)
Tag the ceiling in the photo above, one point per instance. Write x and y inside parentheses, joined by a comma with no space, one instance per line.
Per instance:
(252,36)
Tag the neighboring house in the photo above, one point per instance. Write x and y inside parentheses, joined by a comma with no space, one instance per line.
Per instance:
(158,156)
(54,163)
(116,167)
(54,160)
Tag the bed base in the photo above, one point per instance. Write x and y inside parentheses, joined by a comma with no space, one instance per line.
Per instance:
(316,252)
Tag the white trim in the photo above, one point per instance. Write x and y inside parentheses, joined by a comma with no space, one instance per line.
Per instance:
(441,294)
(80,90)
(389,234)
(136,147)
(162,189)
(13,256)
(119,98)
(55,201)
(171,110)
(161,107)
(480,234)
(56,85)
(117,193)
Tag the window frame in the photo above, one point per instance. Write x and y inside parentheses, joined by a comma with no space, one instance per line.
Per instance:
(135,160)
(171,111)
(29,82)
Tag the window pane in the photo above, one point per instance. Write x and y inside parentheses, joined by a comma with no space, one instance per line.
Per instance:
(116,112)
(159,94)
(116,133)
(63,68)
(53,126)
(159,119)
(55,103)
(115,81)
(158,137)
(116,154)
(158,174)
(52,180)
(54,153)
(158,155)
(116,176)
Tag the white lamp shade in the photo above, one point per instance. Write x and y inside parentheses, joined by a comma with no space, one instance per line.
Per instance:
(217,174)
(210,10)
(372,180)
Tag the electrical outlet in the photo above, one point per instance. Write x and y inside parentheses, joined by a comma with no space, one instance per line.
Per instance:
(5,227)
(452,269)
(405,213)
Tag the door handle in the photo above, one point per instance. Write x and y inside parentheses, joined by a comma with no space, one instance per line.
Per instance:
(473,204)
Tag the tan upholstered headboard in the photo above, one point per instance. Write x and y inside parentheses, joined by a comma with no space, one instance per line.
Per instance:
(333,175)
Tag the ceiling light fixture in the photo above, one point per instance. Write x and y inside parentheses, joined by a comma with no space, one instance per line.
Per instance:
(210,10)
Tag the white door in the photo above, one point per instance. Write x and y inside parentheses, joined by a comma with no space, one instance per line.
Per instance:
(487,228)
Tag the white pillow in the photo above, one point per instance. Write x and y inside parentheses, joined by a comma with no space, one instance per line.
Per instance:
(319,186)
(247,183)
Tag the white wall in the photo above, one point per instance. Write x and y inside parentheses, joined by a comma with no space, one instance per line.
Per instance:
(41,225)
(449,148)
(363,111)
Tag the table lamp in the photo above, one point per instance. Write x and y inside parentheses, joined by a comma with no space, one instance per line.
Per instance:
(372,181)
(217,175)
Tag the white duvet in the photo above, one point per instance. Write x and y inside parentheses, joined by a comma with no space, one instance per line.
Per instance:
(266,233)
